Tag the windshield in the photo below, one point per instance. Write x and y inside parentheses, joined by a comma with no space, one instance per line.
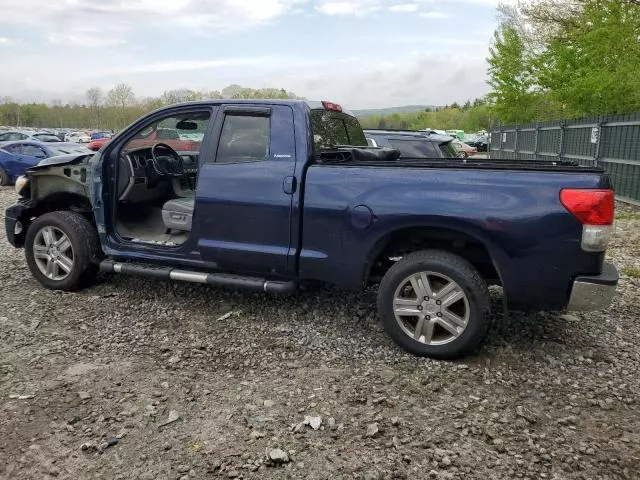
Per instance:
(183,132)
(335,128)
(45,137)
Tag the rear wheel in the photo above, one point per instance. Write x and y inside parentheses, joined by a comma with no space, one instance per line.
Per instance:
(434,304)
(62,250)
(4,178)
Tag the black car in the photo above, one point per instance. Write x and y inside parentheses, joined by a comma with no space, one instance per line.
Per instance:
(481,142)
(413,144)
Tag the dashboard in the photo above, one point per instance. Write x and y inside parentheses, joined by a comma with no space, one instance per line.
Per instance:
(136,182)
(138,160)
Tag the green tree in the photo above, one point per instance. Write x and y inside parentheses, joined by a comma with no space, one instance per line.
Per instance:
(121,96)
(592,64)
(94,98)
(565,58)
(510,76)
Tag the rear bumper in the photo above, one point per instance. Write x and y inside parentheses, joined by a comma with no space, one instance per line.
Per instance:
(594,292)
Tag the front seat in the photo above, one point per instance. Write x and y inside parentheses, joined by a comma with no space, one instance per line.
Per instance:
(178,213)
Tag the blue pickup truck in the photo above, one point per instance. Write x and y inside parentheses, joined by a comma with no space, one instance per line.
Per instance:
(268,195)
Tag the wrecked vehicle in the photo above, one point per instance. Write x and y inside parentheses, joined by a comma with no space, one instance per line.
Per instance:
(273,194)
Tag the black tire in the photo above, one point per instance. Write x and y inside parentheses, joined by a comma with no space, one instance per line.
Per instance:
(4,178)
(84,240)
(457,269)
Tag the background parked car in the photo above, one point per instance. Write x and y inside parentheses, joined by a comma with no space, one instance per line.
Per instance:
(17,156)
(97,135)
(463,149)
(413,144)
(97,144)
(480,142)
(77,137)
(459,134)
(169,136)
(28,135)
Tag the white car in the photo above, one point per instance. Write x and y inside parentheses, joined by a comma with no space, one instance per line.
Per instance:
(77,137)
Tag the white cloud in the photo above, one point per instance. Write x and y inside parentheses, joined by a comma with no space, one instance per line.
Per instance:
(435,15)
(404,7)
(125,34)
(474,41)
(404,80)
(65,19)
(186,65)
(84,40)
(491,3)
(348,7)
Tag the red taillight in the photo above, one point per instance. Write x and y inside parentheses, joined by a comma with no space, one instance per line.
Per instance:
(591,207)
(332,106)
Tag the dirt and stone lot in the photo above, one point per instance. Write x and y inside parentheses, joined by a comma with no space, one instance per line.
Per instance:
(141,379)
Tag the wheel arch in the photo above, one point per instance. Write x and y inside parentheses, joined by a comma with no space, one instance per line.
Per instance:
(460,239)
(58,201)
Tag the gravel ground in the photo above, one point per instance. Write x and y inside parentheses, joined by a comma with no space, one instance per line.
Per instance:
(144,379)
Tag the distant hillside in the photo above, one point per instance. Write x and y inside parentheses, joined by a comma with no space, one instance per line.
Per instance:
(392,110)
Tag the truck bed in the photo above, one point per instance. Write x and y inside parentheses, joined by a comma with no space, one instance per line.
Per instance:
(512,207)
(377,157)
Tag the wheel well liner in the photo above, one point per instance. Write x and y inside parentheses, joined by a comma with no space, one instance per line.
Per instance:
(65,201)
(411,239)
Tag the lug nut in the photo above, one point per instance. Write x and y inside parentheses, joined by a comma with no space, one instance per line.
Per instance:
(438,302)
(419,307)
(439,314)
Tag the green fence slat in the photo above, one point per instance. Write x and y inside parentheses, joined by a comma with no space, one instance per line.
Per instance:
(619,152)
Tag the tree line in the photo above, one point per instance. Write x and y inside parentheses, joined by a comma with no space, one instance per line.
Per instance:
(470,117)
(115,108)
(553,59)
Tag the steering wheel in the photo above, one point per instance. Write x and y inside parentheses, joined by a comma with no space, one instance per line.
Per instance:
(168,165)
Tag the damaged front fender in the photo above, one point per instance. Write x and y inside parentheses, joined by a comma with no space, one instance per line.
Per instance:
(58,175)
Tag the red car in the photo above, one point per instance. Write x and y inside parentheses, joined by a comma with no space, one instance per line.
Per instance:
(169,136)
(96,145)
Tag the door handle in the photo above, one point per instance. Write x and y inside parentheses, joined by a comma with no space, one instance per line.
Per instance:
(289,185)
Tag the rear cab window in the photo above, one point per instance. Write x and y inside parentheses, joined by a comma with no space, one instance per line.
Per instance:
(332,128)
(415,148)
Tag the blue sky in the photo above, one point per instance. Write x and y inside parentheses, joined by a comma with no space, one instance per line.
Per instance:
(362,53)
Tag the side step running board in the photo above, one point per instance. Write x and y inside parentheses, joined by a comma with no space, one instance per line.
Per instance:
(218,279)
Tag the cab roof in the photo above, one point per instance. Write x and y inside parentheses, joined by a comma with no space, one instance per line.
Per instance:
(312,104)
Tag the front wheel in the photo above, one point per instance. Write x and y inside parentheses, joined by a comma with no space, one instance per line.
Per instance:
(434,304)
(62,250)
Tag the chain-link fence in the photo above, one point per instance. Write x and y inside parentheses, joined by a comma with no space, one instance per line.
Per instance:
(611,142)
